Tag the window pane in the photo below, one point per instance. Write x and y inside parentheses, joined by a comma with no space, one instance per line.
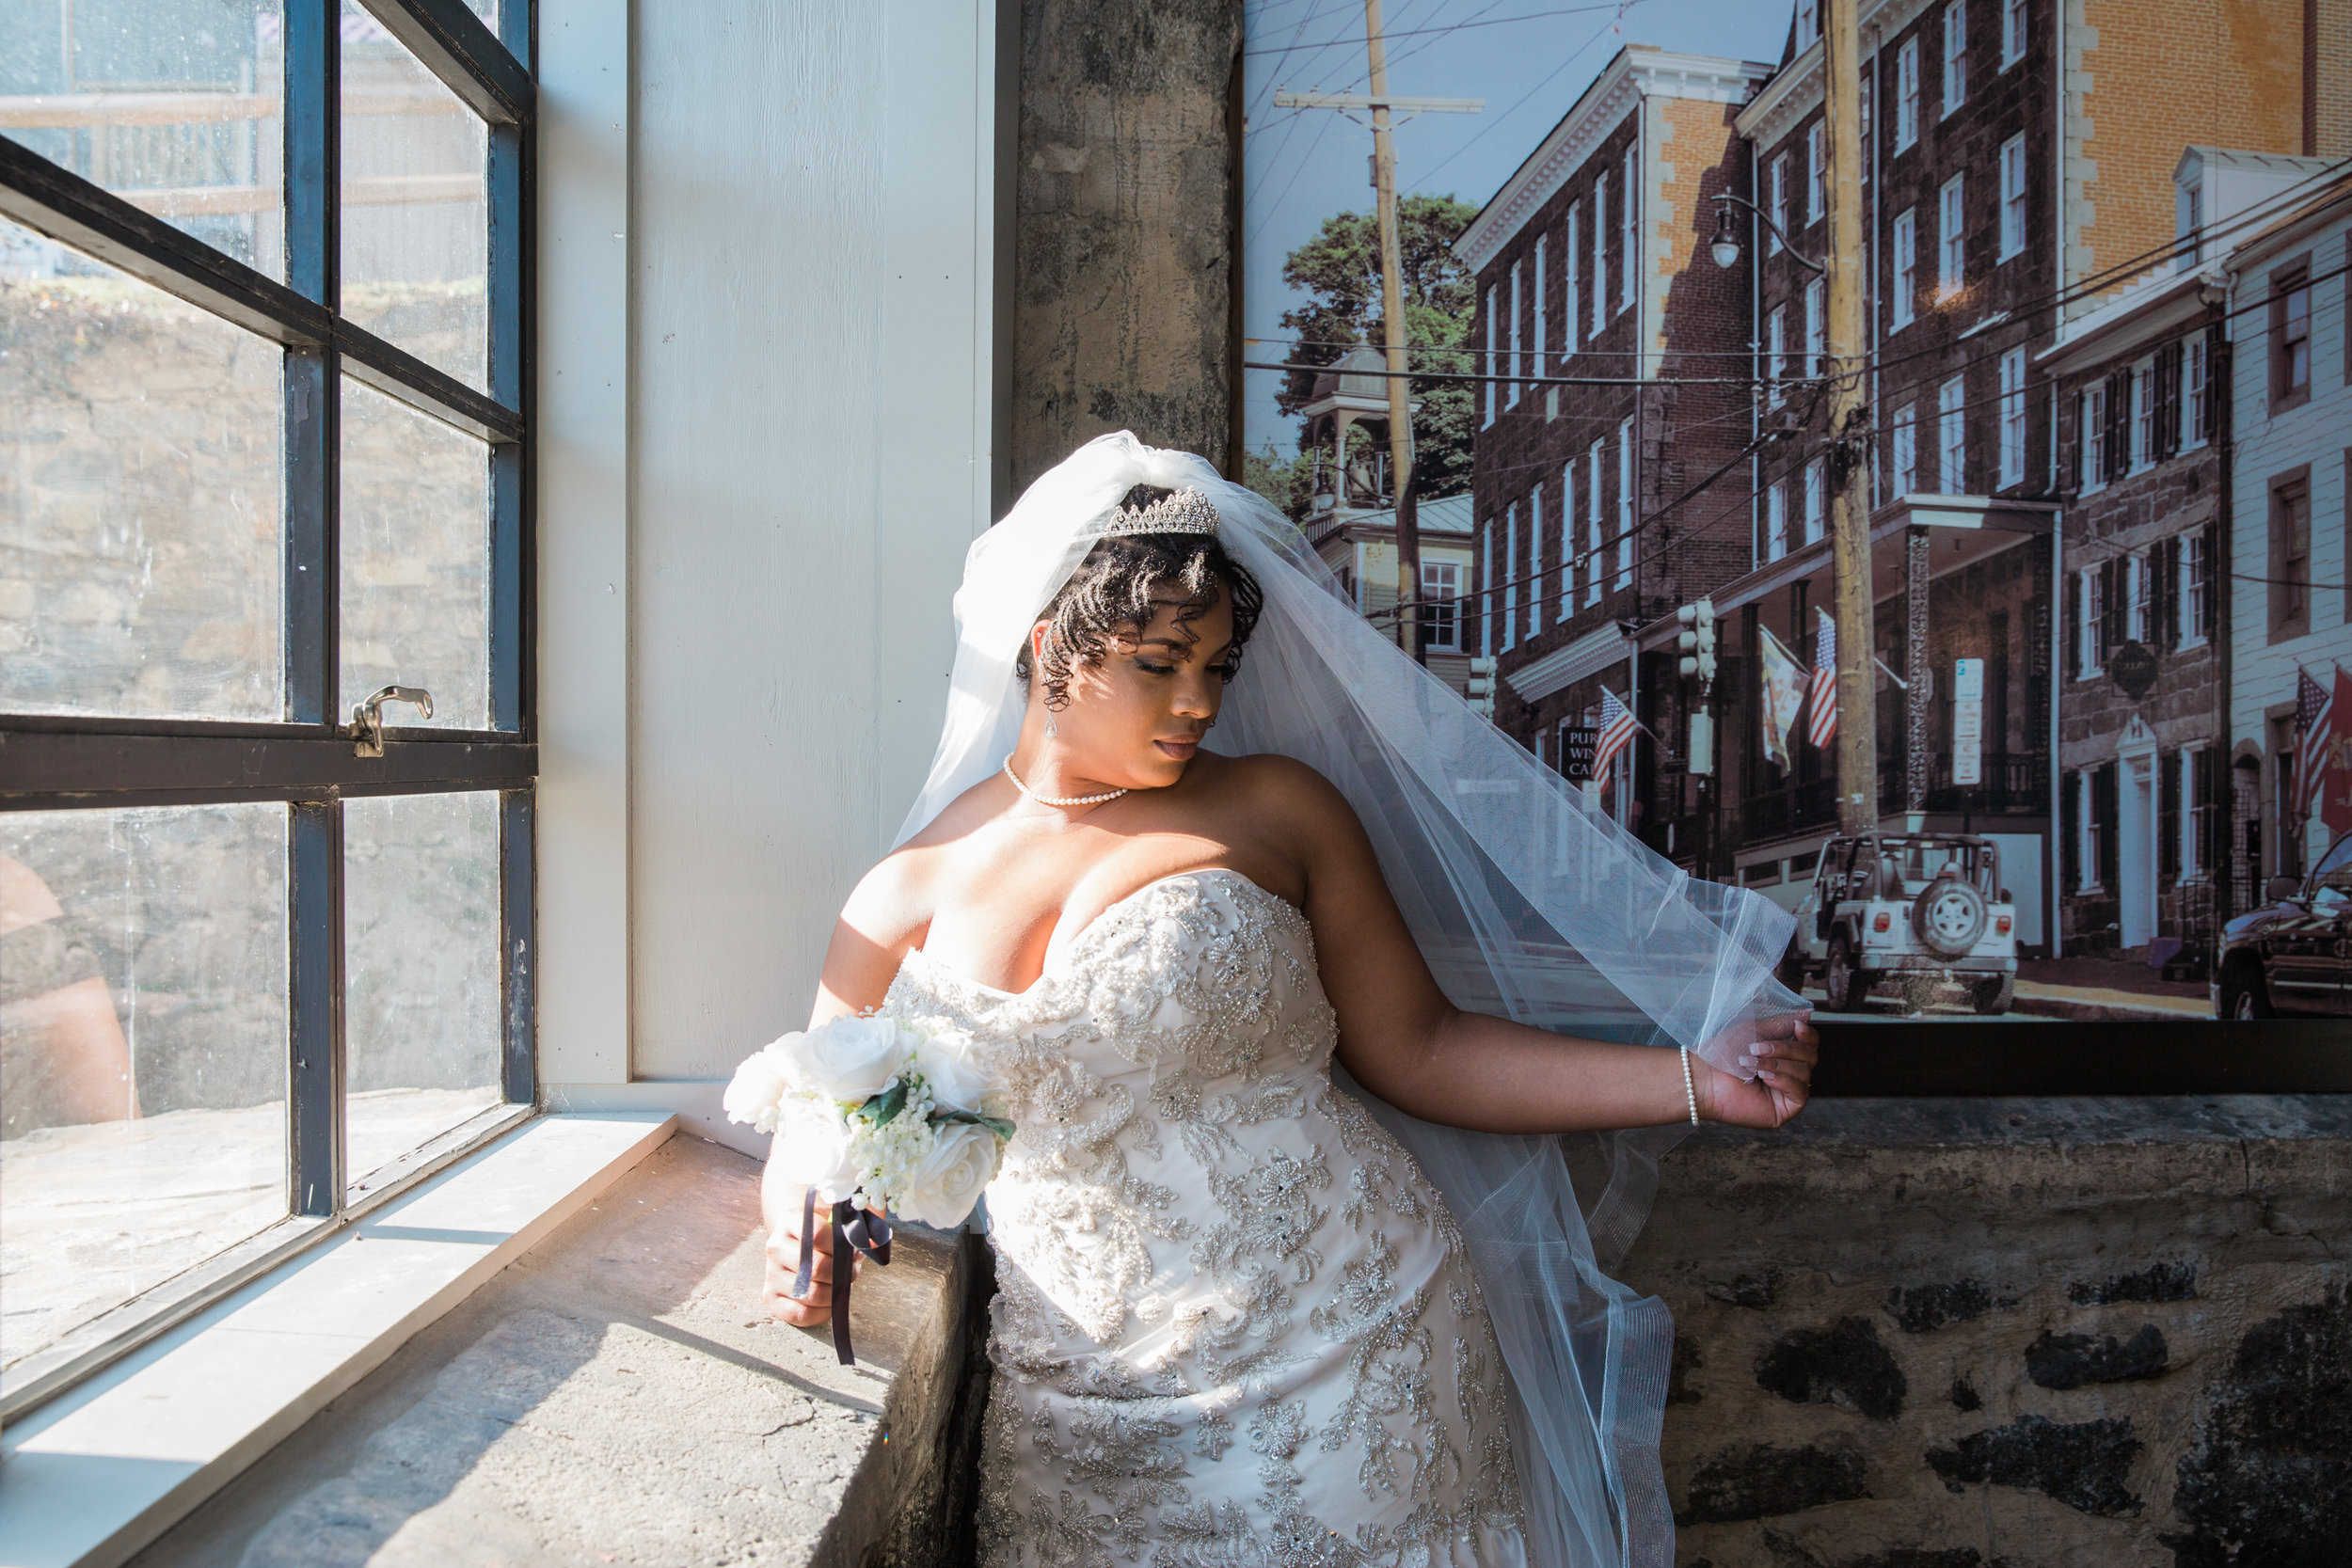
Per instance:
(139,483)
(172,104)
(142,1052)
(416,219)
(421,934)
(414,560)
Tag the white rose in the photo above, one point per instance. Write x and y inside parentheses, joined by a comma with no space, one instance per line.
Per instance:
(949,1181)
(814,1147)
(759,1084)
(951,1065)
(849,1059)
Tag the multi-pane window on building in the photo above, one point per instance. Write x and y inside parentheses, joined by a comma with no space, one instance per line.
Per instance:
(1815,343)
(1775,352)
(1572,303)
(1494,365)
(1952,229)
(1625,503)
(1814,519)
(1543,308)
(1780,205)
(1905,458)
(2012,196)
(2199,376)
(1535,561)
(1955,54)
(1511,578)
(1815,176)
(1951,437)
(1567,540)
(1442,607)
(1907,93)
(2012,32)
(1591,526)
(1631,260)
(2194,583)
(2091,620)
(1517,365)
(2291,336)
(2136,581)
(1776,521)
(2290,581)
(1486,589)
(2091,437)
(2013,417)
(1905,247)
(1600,253)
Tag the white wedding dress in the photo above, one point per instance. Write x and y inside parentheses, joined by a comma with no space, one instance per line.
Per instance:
(1236,1326)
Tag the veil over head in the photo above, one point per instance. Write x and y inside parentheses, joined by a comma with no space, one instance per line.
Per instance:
(1527,903)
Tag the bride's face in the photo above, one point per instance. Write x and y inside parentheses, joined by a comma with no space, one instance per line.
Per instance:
(1136,718)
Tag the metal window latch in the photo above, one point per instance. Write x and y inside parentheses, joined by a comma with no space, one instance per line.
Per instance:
(366,719)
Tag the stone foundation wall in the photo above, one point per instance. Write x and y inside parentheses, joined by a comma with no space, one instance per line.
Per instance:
(1923,1334)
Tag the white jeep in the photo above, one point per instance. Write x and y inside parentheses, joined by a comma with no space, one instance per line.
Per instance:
(1918,912)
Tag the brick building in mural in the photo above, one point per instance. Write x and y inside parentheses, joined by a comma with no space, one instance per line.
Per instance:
(1591,264)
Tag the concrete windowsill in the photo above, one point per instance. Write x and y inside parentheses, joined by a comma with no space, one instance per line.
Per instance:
(101,1470)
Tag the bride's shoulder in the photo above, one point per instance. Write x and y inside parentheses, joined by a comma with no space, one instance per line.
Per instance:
(1283,788)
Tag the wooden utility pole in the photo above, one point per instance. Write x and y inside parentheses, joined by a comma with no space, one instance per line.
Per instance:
(1392,326)
(1849,425)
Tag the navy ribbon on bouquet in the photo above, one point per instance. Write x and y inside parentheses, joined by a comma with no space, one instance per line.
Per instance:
(853,1230)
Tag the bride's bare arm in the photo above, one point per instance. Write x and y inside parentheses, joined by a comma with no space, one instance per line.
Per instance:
(1407,1043)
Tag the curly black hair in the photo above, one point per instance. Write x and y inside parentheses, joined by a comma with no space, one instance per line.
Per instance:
(1120,584)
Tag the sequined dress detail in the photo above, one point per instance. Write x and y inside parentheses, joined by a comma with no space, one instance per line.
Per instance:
(1235,1326)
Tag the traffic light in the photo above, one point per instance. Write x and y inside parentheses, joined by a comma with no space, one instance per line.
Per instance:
(1697,639)
(1481,689)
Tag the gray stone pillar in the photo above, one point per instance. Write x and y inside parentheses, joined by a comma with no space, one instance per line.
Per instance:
(1126,225)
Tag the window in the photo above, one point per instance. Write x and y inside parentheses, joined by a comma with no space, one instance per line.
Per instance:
(1955,54)
(2091,437)
(1543,307)
(1815,176)
(2012,32)
(1494,363)
(2189,223)
(1440,607)
(1516,366)
(2195,584)
(2290,555)
(1486,589)
(1776,521)
(1567,540)
(1592,529)
(1907,93)
(1906,259)
(2013,418)
(1511,578)
(2199,428)
(1815,346)
(1574,304)
(1951,230)
(1808,22)
(2012,196)
(2136,579)
(1600,253)
(1906,456)
(1631,260)
(1775,352)
(330,496)
(1535,561)
(2143,417)
(2090,622)
(1951,437)
(2290,337)
(1625,503)
(1780,204)
(1814,519)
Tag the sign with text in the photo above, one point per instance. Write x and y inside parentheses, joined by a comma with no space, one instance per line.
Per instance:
(1967,723)
(1576,753)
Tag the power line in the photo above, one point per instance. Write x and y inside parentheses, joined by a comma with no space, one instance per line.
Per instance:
(1458,26)
(1568,60)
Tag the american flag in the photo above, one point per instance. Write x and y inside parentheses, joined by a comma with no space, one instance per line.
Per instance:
(1825,726)
(2314,723)
(1616,733)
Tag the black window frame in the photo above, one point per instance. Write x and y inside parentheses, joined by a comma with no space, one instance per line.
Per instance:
(308,759)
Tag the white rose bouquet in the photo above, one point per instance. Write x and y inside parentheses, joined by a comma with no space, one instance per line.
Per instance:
(870,1114)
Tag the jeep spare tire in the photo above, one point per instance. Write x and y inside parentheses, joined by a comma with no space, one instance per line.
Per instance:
(1949,917)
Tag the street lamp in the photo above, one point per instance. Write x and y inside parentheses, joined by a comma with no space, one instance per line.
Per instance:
(1724,248)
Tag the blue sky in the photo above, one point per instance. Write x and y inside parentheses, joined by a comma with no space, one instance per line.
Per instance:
(1529,59)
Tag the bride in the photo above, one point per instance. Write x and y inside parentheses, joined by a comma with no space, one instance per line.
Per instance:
(1246,1314)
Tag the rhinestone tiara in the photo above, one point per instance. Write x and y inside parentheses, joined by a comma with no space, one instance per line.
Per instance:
(1187,511)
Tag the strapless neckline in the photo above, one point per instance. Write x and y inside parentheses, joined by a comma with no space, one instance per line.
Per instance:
(1076,944)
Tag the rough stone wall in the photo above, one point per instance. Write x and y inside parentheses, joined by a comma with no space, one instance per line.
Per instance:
(1963,1333)
(1123,236)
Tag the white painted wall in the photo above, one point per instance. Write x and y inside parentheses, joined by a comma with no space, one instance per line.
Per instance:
(773,442)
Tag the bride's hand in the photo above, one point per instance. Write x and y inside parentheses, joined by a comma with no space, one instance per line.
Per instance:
(784,1261)
(1784,1051)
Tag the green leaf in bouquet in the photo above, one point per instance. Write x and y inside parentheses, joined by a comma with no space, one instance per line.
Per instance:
(885,1107)
(998,1124)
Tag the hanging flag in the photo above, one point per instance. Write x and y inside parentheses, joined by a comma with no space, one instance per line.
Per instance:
(2314,723)
(1783,697)
(1616,733)
(2335,796)
(1825,726)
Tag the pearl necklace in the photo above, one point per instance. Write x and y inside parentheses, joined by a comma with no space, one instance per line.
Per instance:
(1058,800)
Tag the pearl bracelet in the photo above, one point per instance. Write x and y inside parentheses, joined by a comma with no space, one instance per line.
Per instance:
(1690,1091)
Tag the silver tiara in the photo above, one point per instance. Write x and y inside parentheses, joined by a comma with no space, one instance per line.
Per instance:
(1187,511)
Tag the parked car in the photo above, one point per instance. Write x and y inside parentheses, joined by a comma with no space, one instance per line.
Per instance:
(2293,955)
(1904,909)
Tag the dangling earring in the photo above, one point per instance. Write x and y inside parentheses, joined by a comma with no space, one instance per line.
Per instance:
(1050,730)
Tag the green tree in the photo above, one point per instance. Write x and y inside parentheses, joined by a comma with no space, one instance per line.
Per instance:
(1339,270)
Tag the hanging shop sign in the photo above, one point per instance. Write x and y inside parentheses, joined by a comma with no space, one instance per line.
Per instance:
(2133,667)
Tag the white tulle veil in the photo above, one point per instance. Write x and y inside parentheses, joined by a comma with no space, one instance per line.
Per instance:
(1528,905)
